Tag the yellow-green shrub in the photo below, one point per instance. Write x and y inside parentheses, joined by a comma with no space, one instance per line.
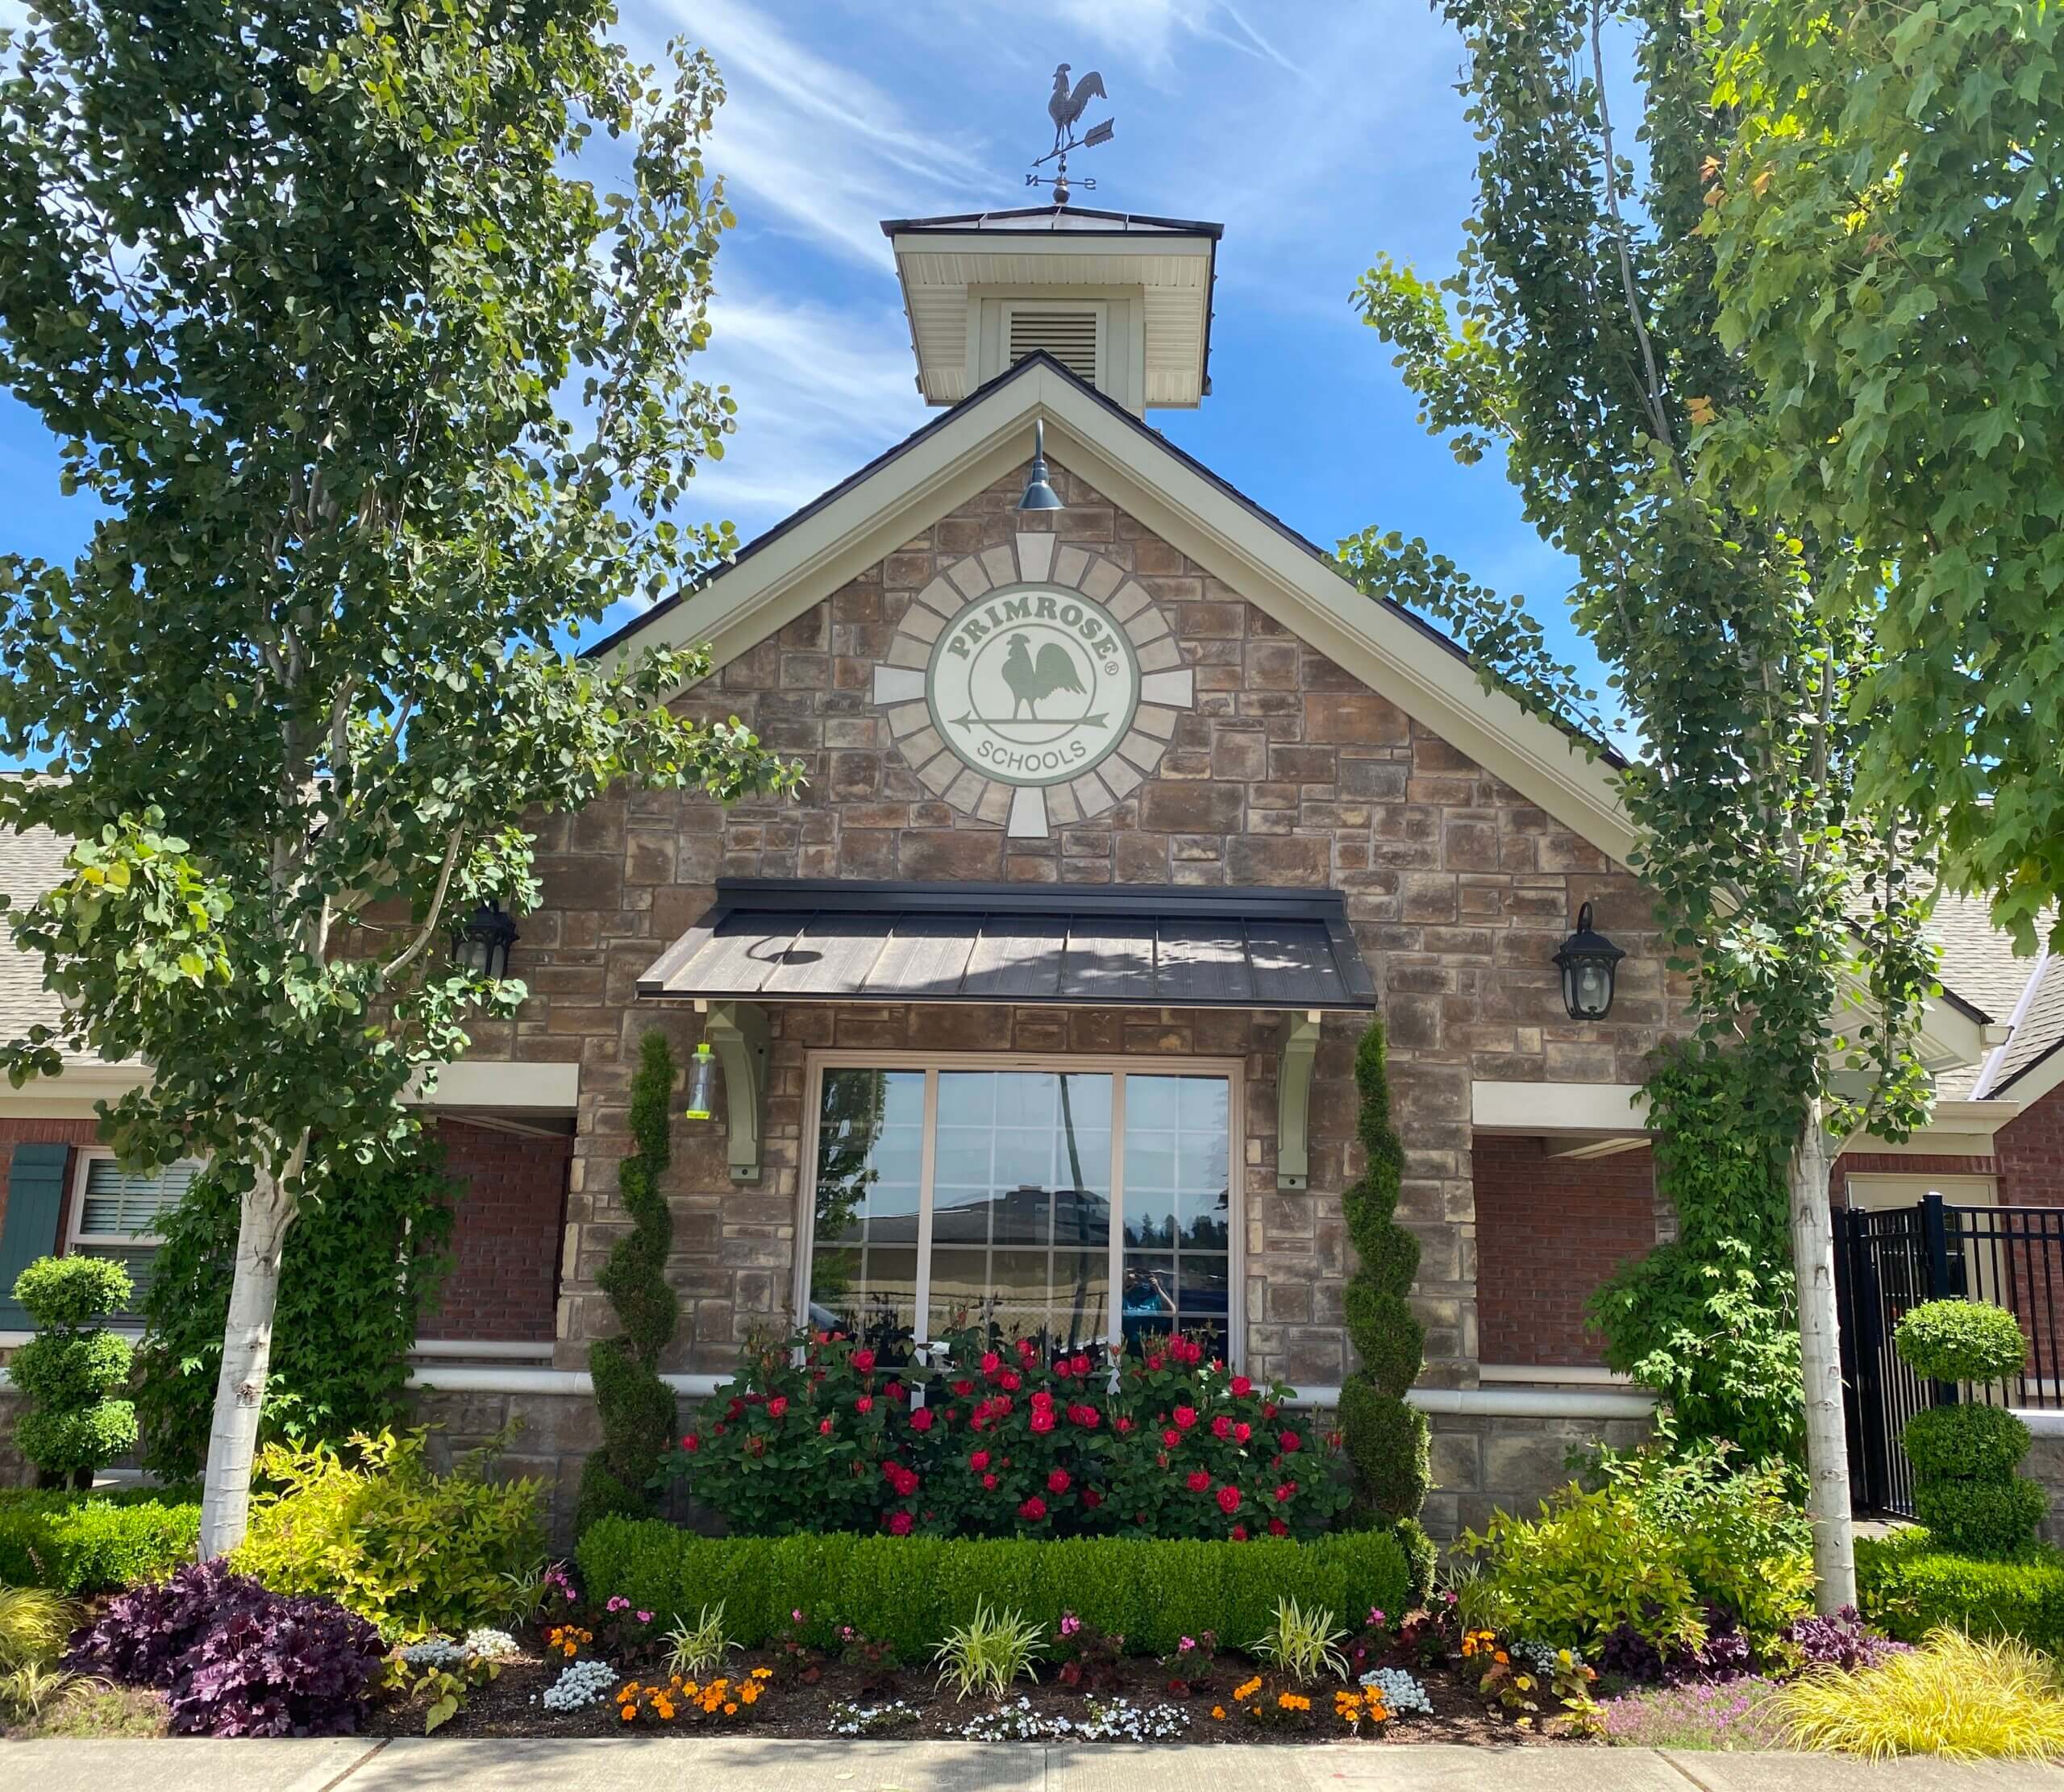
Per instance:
(1958,1695)
(381,1533)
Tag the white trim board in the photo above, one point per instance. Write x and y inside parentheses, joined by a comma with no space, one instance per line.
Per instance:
(486,1084)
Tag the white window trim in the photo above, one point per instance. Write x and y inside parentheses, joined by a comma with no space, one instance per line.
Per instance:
(1232,1070)
(83,1157)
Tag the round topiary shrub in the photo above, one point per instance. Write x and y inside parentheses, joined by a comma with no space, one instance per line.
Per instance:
(72,1369)
(1961,1340)
(1965,1489)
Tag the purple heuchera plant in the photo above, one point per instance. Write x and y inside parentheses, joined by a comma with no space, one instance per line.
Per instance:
(234,1659)
(1842,1641)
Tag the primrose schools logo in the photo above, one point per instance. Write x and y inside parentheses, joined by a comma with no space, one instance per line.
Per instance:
(1033,685)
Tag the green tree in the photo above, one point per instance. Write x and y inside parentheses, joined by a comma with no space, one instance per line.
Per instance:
(1577,339)
(358,1271)
(1887,226)
(384,400)
(636,1408)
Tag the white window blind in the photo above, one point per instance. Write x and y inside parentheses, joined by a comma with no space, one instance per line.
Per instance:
(120,1203)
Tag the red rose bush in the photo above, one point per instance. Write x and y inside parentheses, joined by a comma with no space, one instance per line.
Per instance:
(995,1438)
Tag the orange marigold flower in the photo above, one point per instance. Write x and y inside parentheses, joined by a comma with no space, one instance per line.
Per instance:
(1218,1711)
(731,1711)
(629,1711)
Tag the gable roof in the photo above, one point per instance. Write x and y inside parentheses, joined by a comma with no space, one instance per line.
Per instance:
(804,558)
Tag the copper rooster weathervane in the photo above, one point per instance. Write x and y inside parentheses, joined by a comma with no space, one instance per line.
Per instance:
(1065,107)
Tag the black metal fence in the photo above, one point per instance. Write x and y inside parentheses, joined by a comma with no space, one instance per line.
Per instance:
(1888,1261)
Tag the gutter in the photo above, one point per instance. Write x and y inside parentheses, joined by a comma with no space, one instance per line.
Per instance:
(1995,1060)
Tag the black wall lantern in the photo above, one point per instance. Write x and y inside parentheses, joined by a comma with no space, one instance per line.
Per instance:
(483,946)
(1589,963)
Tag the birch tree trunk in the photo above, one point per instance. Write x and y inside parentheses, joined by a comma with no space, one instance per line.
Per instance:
(267,1210)
(1819,1361)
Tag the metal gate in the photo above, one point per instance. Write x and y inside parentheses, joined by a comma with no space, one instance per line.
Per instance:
(1888,1261)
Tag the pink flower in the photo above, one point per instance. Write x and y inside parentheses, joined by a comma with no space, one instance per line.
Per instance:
(1069,1624)
(618,1602)
(644,1617)
(1058,1482)
(1242,1387)
(1185,1416)
(1185,1645)
(864,1361)
(899,1524)
(1034,1508)
(921,1419)
(1228,1499)
(1199,1481)
(796,1616)
(777,1405)
(1375,1614)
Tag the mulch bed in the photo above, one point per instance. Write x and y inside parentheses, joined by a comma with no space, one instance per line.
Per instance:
(510,1706)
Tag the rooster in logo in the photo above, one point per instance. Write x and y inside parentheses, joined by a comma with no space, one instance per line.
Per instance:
(1032,681)
(1064,108)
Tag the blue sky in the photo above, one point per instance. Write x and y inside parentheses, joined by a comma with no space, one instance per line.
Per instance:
(1318,134)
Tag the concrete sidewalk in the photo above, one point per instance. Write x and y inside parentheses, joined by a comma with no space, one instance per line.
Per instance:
(634,1763)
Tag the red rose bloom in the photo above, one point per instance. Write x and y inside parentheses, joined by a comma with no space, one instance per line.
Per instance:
(1185,1416)
(1026,1349)
(1091,1498)
(1058,1482)
(1221,1426)
(1079,1362)
(1228,1499)
(864,1361)
(1061,1369)
(1010,1380)
(988,1481)
(963,1388)
(824,1427)
(1268,1409)
(1043,1399)
(1239,1533)
(1198,1481)
(1241,1433)
(1171,1438)
(777,1405)
(1242,1387)
(1122,1423)
(864,1403)
(979,1460)
(1277,1529)
(1154,1362)
(1282,1493)
(1291,1440)
(691,1443)
(921,1419)
(991,1363)
(899,1524)
(1034,1508)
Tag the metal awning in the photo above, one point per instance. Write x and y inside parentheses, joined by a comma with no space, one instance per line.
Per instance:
(779,939)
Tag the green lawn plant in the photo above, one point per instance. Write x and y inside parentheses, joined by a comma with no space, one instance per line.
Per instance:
(376,1529)
(74,1371)
(1964,1454)
(1385,1439)
(907,1592)
(989,1654)
(637,1409)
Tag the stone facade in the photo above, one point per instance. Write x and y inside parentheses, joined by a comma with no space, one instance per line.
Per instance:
(1285,771)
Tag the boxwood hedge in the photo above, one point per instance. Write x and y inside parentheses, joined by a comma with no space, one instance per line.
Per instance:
(1908,1586)
(78,1543)
(908,1591)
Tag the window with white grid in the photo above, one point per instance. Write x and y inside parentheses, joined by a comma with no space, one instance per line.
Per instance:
(116,1212)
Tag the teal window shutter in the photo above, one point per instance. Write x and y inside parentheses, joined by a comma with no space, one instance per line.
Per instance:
(35,1194)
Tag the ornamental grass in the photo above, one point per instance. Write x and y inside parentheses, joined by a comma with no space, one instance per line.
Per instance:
(1958,1696)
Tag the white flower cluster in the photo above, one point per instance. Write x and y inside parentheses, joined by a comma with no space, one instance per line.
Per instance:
(1109,1720)
(490,1645)
(1399,1691)
(583,1684)
(433,1651)
(1539,1657)
(849,1719)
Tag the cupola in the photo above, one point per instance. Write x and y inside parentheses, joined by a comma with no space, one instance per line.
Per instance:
(1122,302)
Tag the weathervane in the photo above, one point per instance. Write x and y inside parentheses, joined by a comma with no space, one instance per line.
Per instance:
(1065,108)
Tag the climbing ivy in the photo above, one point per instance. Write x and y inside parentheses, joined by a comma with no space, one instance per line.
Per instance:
(1385,1439)
(1710,1319)
(636,1408)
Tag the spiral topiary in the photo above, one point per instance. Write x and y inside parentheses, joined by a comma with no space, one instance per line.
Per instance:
(74,1370)
(1965,1489)
(1385,1439)
(636,1408)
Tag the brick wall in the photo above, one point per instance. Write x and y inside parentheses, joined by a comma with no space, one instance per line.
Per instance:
(504,1281)
(2030,1149)
(1285,771)
(1549,1231)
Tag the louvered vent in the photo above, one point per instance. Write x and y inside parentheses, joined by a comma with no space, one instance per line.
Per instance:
(1069,336)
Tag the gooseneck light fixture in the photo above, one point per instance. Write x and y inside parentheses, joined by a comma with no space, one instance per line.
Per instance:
(1590,964)
(1038,494)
